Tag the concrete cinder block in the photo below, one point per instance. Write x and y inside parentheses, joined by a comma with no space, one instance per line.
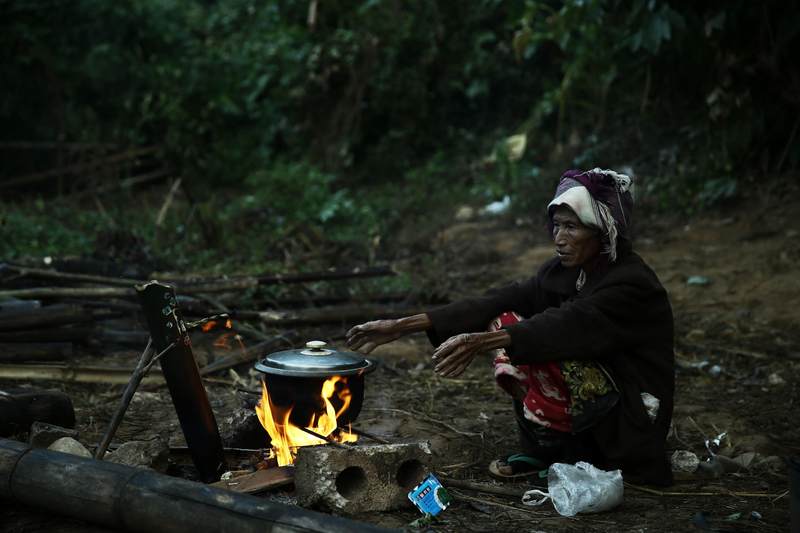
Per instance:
(43,435)
(362,477)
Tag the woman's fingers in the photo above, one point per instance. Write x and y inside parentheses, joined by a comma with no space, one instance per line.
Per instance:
(452,361)
(455,355)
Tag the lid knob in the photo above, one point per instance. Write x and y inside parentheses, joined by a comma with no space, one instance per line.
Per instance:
(316,345)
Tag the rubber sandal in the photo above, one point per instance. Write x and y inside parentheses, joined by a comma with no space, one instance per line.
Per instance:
(521,466)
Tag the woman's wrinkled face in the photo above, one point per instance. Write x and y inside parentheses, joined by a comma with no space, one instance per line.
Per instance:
(576,244)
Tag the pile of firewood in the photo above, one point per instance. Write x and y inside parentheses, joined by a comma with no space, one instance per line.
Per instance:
(45,314)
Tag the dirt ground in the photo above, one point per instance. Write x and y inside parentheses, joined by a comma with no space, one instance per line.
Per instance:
(734,283)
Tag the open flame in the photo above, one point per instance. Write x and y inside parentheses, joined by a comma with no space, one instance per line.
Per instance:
(287,436)
(223,341)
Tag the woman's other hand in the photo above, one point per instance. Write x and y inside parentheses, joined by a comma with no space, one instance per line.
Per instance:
(455,354)
(368,336)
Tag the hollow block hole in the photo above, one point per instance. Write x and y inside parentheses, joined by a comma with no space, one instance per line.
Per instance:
(410,474)
(351,481)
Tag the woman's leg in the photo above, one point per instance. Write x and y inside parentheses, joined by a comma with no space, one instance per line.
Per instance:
(545,444)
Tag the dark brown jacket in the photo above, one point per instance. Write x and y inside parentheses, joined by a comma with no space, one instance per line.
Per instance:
(621,318)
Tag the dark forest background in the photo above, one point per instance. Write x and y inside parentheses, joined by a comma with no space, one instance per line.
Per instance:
(320,130)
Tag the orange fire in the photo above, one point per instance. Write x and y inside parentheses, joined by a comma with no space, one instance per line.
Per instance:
(223,342)
(287,437)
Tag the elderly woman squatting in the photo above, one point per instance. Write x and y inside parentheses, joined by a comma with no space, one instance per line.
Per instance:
(584,347)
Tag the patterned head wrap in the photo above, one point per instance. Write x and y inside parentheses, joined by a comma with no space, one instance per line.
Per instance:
(602,199)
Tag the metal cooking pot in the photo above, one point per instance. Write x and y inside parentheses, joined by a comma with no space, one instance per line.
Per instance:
(295,377)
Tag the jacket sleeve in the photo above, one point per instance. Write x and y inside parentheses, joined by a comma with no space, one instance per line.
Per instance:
(611,319)
(474,314)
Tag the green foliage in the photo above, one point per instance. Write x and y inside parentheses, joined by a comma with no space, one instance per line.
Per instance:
(354,119)
(39,228)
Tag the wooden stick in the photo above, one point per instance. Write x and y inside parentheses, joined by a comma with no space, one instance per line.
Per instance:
(79,167)
(498,504)
(43,273)
(707,493)
(249,355)
(121,292)
(481,487)
(372,436)
(305,277)
(330,275)
(136,378)
(428,418)
(68,292)
(331,315)
(328,439)
(162,213)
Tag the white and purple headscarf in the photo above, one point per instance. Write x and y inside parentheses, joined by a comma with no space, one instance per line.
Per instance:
(602,199)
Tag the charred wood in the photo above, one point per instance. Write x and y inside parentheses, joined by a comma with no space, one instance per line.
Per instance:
(259,481)
(19,409)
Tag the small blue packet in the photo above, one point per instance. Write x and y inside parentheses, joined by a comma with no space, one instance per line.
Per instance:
(430,496)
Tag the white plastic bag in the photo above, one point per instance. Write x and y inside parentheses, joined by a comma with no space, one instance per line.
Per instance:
(579,488)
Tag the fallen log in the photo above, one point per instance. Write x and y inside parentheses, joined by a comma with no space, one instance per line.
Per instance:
(52,315)
(278,279)
(11,352)
(328,275)
(43,273)
(20,408)
(131,499)
(73,374)
(59,334)
(55,293)
(114,336)
(15,306)
(323,315)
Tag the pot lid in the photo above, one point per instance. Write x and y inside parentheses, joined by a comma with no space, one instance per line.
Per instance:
(315,360)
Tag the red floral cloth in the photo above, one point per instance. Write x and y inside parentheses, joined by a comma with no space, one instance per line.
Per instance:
(547,398)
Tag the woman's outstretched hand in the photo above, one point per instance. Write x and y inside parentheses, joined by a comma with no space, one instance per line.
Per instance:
(368,336)
(455,354)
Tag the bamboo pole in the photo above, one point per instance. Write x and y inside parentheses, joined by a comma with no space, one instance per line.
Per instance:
(133,499)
